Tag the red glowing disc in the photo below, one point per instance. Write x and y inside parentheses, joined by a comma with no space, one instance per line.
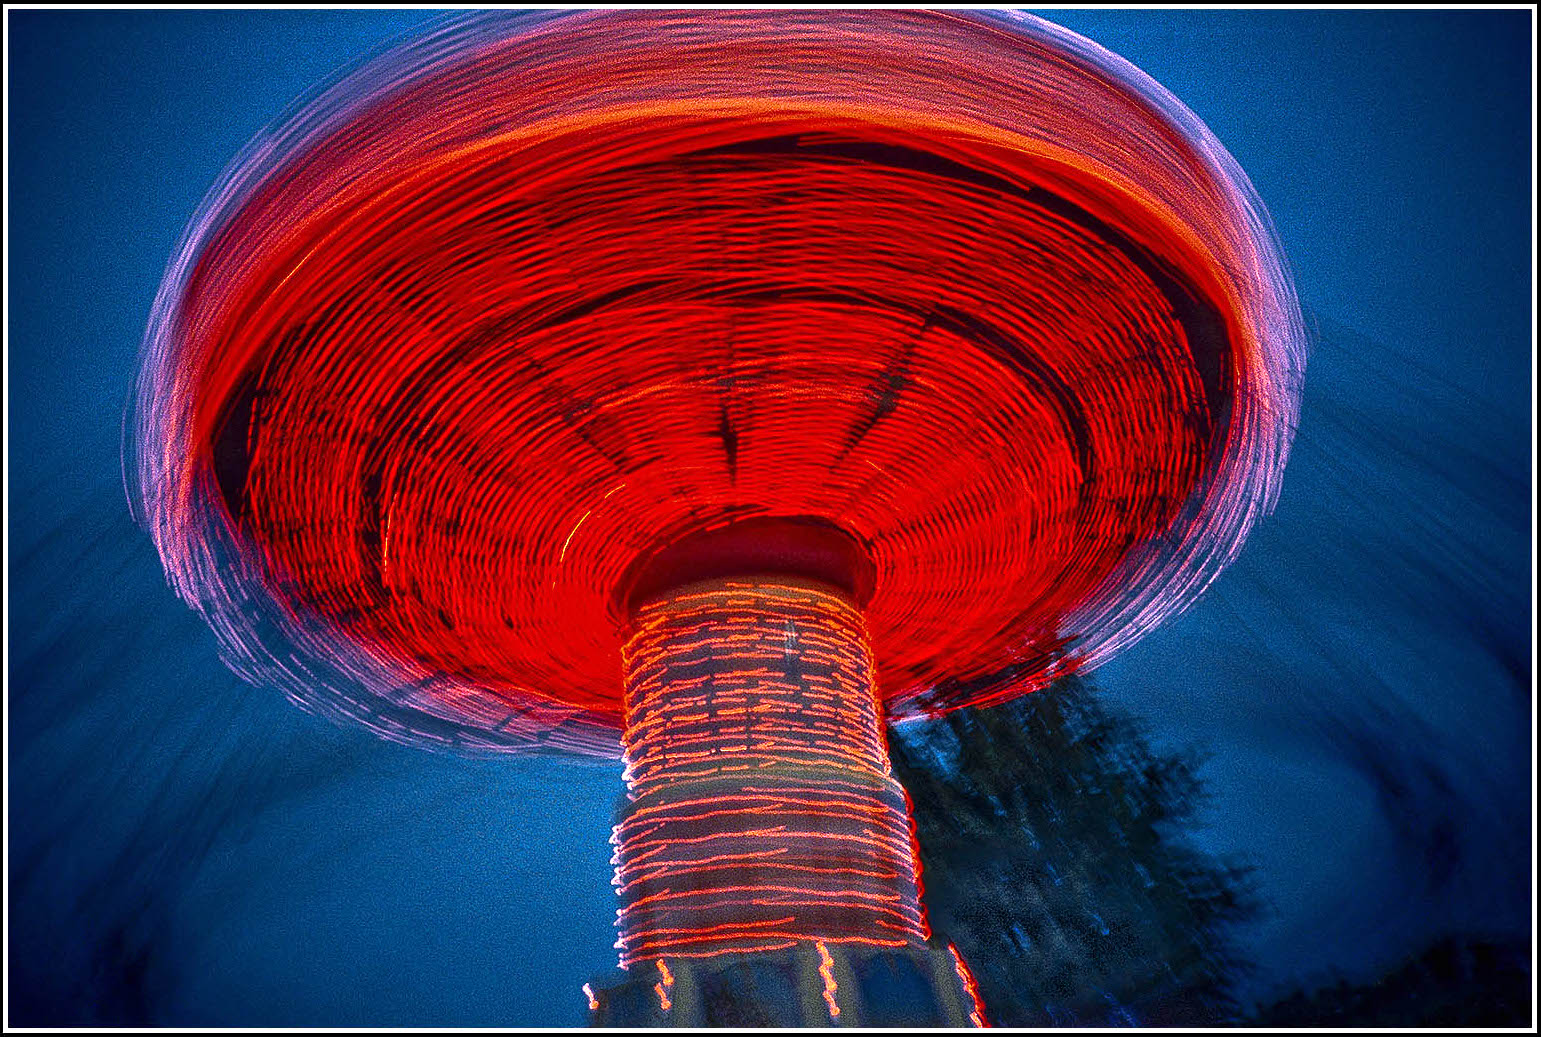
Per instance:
(453,355)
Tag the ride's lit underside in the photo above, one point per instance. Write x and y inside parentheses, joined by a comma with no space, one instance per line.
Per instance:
(671,321)
(449,352)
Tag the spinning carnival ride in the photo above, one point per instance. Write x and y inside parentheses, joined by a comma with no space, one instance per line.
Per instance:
(713,388)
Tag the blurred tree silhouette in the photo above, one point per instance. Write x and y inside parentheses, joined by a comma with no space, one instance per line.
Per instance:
(1051,833)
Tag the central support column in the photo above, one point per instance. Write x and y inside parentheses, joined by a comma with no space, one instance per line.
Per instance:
(763,812)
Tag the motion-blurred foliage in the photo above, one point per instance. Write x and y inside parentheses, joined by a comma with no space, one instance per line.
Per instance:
(1051,834)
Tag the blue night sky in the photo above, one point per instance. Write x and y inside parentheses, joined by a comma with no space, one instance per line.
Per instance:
(187,850)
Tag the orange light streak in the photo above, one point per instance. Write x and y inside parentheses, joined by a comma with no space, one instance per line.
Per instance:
(970,987)
(826,969)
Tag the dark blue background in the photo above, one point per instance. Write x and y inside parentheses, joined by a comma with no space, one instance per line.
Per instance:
(187,850)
